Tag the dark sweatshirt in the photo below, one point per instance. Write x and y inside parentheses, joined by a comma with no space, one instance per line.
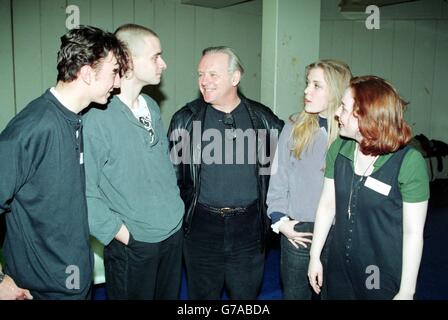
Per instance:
(42,192)
(130,180)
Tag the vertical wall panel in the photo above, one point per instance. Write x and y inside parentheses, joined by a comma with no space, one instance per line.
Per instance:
(165,26)
(250,53)
(422,77)
(382,49)
(444,10)
(101,14)
(230,25)
(27,51)
(186,57)
(7,108)
(84,10)
(326,40)
(343,41)
(242,32)
(144,13)
(403,60)
(439,121)
(410,50)
(296,45)
(361,63)
(53,14)
(123,12)
(204,22)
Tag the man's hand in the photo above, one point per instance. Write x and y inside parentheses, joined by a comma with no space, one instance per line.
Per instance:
(123,235)
(10,291)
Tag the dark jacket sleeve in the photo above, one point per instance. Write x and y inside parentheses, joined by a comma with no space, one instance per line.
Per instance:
(177,142)
(276,122)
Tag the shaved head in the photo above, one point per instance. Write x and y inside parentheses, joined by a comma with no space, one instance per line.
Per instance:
(133,36)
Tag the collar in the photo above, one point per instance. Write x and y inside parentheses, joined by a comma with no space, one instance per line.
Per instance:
(323,123)
(54,97)
(117,104)
(236,110)
(196,106)
(348,150)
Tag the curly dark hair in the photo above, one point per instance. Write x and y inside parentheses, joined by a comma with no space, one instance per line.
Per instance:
(88,45)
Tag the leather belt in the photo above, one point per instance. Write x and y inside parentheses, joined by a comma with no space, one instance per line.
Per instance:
(227,211)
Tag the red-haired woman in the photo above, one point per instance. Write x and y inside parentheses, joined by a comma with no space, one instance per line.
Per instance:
(377,188)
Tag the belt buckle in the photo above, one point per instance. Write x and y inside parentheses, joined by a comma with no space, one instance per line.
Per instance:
(223,211)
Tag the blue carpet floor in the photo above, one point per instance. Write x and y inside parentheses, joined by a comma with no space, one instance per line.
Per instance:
(433,277)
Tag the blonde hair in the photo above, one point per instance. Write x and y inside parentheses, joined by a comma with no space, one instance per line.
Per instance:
(337,75)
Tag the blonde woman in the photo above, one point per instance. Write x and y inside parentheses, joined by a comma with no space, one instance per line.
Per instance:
(295,188)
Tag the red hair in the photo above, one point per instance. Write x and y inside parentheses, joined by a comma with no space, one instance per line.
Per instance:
(379,110)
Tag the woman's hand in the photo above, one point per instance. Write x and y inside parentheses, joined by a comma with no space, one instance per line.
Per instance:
(296,238)
(315,274)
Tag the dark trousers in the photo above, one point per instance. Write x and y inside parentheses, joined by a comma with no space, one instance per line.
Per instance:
(144,270)
(224,253)
(294,266)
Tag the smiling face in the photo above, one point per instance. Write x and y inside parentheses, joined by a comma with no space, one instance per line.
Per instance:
(316,92)
(348,124)
(105,79)
(217,85)
(148,64)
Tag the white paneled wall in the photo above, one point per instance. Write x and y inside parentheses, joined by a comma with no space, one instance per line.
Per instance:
(410,49)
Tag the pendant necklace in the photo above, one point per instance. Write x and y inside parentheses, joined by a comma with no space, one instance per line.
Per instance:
(349,211)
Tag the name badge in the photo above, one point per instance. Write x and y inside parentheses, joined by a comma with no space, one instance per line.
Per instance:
(377,186)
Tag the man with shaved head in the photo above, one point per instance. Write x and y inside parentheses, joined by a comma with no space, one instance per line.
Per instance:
(133,200)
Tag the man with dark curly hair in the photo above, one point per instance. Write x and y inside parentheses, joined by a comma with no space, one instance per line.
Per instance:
(42,186)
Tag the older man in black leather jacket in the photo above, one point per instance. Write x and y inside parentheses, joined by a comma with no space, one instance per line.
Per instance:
(221,146)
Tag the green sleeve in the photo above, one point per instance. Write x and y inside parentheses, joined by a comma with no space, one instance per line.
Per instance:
(331,158)
(413,178)
(104,224)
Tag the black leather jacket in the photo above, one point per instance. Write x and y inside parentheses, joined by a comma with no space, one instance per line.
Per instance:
(188,166)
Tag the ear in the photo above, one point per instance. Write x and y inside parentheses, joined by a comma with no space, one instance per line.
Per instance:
(236,77)
(86,74)
(129,74)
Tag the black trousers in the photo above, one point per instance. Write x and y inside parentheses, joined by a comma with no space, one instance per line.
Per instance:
(142,270)
(224,253)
